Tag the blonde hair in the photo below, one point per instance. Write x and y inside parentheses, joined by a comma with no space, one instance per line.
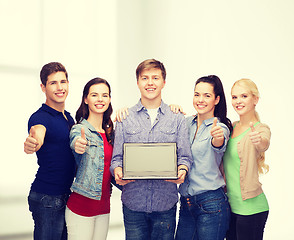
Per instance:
(251,86)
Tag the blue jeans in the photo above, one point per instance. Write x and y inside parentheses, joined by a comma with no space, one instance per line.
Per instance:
(48,215)
(149,226)
(205,216)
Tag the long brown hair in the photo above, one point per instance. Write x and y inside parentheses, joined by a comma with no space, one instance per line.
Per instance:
(83,111)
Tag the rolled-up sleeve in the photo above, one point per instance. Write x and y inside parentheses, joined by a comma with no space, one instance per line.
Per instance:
(117,155)
(183,144)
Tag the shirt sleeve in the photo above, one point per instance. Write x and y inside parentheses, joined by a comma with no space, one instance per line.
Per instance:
(38,119)
(183,144)
(265,132)
(117,155)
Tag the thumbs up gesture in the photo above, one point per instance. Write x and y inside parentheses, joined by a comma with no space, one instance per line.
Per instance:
(217,134)
(81,143)
(255,136)
(31,143)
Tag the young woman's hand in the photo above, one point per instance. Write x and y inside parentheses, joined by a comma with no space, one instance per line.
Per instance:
(255,136)
(121,114)
(217,134)
(81,143)
(176,109)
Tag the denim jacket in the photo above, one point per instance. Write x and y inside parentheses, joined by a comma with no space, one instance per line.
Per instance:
(90,165)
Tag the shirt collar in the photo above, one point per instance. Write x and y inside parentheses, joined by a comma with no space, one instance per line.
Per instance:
(207,122)
(88,125)
(54,112)
(162,108)
(50,110)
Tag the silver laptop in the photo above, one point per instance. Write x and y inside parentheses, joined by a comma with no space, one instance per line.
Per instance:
(150,161)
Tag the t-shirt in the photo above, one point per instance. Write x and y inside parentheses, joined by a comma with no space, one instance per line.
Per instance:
(55,159)
(88,207)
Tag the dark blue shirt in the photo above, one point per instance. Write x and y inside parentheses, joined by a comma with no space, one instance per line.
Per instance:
(55,158)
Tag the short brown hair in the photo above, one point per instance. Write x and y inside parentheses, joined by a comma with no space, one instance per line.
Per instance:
(148,64)
(50,68)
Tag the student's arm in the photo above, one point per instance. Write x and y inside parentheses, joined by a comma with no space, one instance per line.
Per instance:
(260,139)
(80,142)
(184,153)
(117,156)
(35,139)
(217,134)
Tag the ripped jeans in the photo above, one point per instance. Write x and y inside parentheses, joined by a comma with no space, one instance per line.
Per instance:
(149,226)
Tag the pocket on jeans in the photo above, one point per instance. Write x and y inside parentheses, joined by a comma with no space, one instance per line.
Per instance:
(211,206)
(53,202)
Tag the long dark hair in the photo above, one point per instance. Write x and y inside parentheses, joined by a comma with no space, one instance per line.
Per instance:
(220,109)
(83,111)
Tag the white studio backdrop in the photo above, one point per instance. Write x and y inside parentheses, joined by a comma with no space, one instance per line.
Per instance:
(231,39)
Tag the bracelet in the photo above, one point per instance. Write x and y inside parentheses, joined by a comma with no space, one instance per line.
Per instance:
(184,170)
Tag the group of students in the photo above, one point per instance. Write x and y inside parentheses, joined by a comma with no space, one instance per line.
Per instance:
(218,162)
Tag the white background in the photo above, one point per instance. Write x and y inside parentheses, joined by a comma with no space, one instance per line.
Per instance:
(230,38)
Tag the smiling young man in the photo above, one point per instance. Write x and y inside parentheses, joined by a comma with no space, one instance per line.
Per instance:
(149,206)
(49,129)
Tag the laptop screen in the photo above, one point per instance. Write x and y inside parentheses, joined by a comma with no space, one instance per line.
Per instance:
(150,161)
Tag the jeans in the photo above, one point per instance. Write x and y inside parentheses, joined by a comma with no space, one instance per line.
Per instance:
(205,216)
(247,227)
(149,226)
(49,216)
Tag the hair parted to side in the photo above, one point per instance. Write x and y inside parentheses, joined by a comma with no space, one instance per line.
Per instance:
(83,111)
(252,88)
(220,109)
(149,64)
(50,68)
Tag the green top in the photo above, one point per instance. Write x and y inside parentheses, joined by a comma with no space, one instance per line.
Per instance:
(232,171)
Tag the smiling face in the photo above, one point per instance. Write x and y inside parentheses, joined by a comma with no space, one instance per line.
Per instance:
(204,100)
(243,100)
(56,90)
(98,98)
(150,84)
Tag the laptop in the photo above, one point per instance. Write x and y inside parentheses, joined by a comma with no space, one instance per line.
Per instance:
(150,161)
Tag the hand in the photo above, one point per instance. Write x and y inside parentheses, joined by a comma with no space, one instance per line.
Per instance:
(31,144)
(254,136)
(176,109)
(118,174)
(181,175)
(121,114)
(81,143)
(217,134)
